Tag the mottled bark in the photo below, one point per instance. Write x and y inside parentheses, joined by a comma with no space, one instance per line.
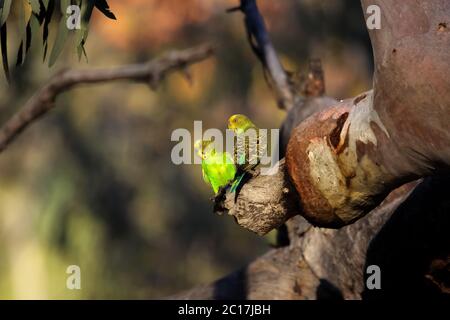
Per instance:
(345,160)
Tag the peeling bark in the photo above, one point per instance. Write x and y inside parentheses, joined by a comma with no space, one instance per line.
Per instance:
(394,134)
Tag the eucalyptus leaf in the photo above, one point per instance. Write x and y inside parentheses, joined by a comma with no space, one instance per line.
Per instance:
(36,16)
(26,42)
(60,41)
(61,36)
(22,30)
(64,5)
(35,6)
(82,34)
(47,19)
(45,3)
(5,11)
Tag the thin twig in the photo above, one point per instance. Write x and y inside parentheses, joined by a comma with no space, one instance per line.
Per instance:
(43,100)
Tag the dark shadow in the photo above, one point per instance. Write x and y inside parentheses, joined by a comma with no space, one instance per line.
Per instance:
(232,287)
(413,247)
(283,236)
(327,291)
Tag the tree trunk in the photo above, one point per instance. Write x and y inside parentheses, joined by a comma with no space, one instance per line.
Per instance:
(340,165)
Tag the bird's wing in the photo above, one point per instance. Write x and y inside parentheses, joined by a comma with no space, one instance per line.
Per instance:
(205,172)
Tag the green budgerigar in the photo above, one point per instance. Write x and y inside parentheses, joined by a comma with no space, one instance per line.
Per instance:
(247,148)
(217,167)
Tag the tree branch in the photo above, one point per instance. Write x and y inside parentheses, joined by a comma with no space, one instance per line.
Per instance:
(263,48)
(152,73)
(345,160)
(318,263)
(266,202)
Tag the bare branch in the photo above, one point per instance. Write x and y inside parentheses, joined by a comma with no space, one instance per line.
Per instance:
(264,203)
(263,48)
(152,73)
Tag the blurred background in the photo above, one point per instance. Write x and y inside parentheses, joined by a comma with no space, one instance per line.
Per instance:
(92,183)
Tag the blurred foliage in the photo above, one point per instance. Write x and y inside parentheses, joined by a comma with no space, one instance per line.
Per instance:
(34,18)
(92,183)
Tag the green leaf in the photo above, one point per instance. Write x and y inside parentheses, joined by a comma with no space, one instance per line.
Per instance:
(82,34)
(35,6)
(60,41)
(22,30)
(24,13)
(33,31)
(32,15)
(33,23)
(45,3)
(21,16)
(47,19)
(64,5)
(41,13)
(61,36)
(5,11)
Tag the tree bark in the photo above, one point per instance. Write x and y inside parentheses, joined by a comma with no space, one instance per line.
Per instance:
(343,161)
(412,250)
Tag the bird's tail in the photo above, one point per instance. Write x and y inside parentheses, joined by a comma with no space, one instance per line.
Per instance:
(237,182)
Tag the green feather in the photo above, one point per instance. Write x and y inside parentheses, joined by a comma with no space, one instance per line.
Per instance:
(247,151)
(236,183)
(218,169)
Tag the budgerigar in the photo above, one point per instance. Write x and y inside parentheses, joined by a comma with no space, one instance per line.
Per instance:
(217,167)
(247,152)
